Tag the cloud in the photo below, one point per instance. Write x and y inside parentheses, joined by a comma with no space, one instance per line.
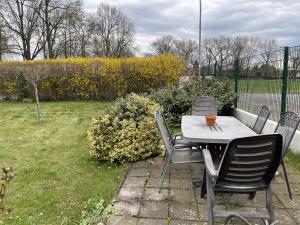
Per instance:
(277,19)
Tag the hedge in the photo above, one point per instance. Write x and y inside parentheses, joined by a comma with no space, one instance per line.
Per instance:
(90,78)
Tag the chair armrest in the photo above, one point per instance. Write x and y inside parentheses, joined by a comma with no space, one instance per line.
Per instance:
(210,169)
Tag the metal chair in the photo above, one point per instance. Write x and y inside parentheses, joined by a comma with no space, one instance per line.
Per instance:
(175,138)
(174,155)
(248,165)
(262,118)
(287,127)
(204,105)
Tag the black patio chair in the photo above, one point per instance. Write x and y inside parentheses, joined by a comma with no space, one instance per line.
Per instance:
(262,118)
(248,165)
(287,127)
(174,155)
(204,105)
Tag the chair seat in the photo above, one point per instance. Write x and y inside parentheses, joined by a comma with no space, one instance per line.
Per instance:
(187,156)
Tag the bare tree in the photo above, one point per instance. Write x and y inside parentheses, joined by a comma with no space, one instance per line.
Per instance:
(3,41)
(164,45)
(266,48)
(75,37)
(187,49)
(34,74)
(113,32)
(20,17)
(52,13)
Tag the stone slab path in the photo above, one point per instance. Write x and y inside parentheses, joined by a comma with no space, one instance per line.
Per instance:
(139,203)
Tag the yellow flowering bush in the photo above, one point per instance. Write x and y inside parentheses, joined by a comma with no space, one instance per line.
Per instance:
(126,132)
(96,78)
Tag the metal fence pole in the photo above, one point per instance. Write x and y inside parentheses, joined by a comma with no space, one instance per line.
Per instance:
(236,80)
(284,84)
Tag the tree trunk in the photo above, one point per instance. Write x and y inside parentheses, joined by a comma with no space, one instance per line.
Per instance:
(37,102)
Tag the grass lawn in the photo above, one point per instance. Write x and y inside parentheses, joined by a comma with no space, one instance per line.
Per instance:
(55,176)
(268,86)
(293,160)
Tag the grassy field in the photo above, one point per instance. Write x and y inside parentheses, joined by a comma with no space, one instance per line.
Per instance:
(55,176)
(293,160)
(268,86)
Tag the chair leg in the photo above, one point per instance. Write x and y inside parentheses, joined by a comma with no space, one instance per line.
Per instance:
(203,188)
(287,180)
(269,205)
(164,165)
(252,195)
(168,162)
(210,201)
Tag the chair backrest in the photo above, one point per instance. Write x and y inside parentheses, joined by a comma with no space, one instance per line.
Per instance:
(250,163)
(261,119)
(287,126)
(161,113)
(204,105)
(163,131)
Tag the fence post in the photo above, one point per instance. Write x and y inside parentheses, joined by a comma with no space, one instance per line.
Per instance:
(284,84)
(236,79)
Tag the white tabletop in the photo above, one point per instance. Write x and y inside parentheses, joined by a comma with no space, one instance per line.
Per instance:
(195,130)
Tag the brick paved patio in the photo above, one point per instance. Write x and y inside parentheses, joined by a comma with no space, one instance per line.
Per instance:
(139,203)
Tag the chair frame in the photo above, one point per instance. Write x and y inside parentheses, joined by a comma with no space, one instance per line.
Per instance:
(214,177)
(265,111)
(294,116)
(171,150)
(203,110)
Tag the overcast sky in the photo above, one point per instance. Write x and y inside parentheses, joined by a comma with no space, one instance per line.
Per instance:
(277,19)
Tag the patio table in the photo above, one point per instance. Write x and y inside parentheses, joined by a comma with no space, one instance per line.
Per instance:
(195,130)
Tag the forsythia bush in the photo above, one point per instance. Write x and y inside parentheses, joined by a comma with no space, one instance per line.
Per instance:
(95,78)
(126,132)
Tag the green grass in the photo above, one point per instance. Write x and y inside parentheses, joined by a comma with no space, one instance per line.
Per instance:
(55,176)
(267,86)
(293,160)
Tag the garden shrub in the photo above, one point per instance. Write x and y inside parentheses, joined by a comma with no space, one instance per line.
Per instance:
(126,132)
(177,101)
(94,78)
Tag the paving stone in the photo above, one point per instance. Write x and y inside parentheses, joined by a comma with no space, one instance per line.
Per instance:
(283,217)
(137,172)
(152,194)
(202,211)
(278,180)
(126,208)
(145,164)
(182,196)
(135,182)
(294,178)
(154,210)
(156,173)
(182,222)
(289,203)
(219,200)
(183,211)
(155,182)
(180,167)
(184,174)
(181,183)
(147,221)
(238,199)
(197,166)
(122,220)
(130,194)
(197,174)
(295,214)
